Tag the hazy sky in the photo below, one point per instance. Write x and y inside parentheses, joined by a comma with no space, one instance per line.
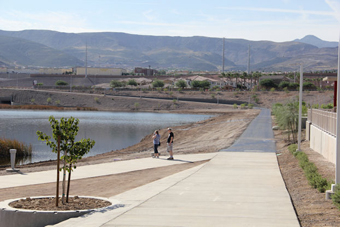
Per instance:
(275,20)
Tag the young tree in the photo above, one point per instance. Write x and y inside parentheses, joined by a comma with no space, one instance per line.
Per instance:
(64,133)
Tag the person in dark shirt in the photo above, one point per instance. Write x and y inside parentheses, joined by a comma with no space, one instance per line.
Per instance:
(169,144)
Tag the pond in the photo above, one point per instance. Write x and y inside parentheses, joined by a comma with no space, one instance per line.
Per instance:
(110,130)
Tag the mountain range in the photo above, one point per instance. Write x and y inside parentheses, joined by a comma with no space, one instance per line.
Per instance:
(44,48)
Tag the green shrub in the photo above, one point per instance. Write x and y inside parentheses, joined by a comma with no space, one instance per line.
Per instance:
(235,106)
(61,83)
(158,83)
(294,86)
(49,100)
(310,170)
(132,82)
(116,83)
(250,106)
(336,196)
(283,84)
(268,83)
(243,106)
(96,99)
(272,89)
(308,86)
(315,106)
(32,100)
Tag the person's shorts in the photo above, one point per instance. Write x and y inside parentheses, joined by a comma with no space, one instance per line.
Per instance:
(169,147)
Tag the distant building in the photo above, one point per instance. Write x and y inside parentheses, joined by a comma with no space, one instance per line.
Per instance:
(99,71)
(145,71)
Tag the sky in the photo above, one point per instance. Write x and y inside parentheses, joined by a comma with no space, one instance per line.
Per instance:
(273,20)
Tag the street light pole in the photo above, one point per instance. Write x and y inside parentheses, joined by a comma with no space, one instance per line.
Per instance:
(337,155)
(300,107)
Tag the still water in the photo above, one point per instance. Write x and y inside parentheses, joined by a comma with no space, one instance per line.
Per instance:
(110,130)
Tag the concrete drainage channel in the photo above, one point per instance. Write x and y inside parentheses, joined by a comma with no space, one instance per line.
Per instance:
(13,217)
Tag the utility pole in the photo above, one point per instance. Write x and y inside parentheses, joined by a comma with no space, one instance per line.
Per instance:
(223,57)
(86,60)
(248,68)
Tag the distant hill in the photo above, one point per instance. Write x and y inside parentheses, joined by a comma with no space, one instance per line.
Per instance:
(315,41)
(112,49)
(21,52)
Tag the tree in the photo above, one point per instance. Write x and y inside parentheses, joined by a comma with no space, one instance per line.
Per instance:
(158,83)
(64,133)
(200,84)
(268,83)
(61,83)
(132,82)
(287,117)
(181,84)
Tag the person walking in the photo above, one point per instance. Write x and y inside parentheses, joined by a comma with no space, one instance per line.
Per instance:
(156,141)
(169,144)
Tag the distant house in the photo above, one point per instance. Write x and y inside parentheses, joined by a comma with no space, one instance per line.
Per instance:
(145,71)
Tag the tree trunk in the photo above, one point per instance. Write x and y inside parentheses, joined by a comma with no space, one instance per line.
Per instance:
(58,162)
(68,183)
(64,178)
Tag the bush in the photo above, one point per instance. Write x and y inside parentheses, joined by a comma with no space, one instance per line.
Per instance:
(235,106)
(310,170)
(61,83)
(132,82)
(283,84)
(116,83)
(158,83)
(49,100)
(23,150)
(250,106)
(308,86)
(268,83)
(272,89)
(336,196)
(294,86)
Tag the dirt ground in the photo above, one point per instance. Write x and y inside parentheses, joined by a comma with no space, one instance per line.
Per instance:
(221,131)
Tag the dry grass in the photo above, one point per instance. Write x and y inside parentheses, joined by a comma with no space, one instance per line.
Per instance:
(23,150)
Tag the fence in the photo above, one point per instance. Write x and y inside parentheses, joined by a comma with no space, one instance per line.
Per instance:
(323,119)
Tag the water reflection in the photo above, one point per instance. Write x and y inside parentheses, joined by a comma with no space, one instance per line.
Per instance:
(110,130)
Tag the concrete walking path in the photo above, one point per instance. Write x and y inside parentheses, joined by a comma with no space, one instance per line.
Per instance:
(104,169)
(242,186)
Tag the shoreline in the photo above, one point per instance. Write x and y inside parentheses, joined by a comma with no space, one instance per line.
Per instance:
(185,133)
